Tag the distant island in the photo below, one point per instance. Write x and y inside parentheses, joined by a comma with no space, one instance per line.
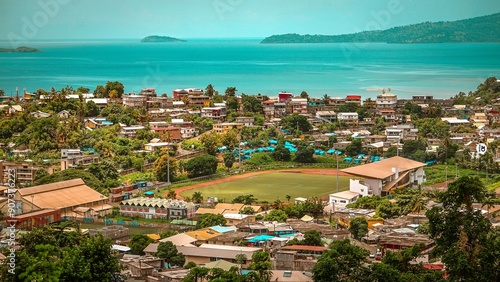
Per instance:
(484,29)
(21,49)
(156,38)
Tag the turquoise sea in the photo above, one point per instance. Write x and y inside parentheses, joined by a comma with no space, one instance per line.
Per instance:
(441,70)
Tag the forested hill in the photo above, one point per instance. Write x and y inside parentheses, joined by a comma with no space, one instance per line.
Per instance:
(156,38)
(479,29)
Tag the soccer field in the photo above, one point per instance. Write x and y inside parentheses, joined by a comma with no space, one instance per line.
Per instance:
(274,185)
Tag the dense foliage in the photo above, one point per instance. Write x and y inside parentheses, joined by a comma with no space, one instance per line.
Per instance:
(479,29)
(58,254)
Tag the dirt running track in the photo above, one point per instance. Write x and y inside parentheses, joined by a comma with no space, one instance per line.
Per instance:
(322,171)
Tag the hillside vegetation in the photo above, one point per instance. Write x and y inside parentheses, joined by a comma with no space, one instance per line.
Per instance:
(479,29)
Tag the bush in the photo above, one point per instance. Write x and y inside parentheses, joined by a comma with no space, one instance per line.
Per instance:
(259,159)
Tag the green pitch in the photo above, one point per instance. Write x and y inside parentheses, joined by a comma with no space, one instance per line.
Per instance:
(271,186)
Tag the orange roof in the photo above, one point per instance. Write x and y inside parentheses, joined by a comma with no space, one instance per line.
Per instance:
(203,234)
(61,194)
(209,210)
(383,168)
(232,207)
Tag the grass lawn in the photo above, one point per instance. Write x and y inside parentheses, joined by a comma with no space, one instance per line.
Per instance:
(271,186)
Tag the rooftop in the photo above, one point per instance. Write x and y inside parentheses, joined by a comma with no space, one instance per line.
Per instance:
(383,169)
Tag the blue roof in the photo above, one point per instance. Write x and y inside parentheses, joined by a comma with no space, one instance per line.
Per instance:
(149,193)
(262,237)
(222,229)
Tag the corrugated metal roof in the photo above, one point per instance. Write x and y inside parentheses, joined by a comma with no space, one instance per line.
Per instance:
(61,194)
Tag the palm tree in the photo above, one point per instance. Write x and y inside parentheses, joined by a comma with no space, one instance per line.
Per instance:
(326,99)
(171,194)
(489,202)
(288,197)
(197,197)
(209,91)
(240,259)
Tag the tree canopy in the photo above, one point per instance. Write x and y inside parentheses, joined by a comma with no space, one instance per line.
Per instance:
(201,166)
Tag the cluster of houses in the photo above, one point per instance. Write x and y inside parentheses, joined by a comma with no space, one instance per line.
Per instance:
(191,101)
(220,246)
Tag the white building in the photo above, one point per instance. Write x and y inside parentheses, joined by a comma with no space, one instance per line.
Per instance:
(383,177)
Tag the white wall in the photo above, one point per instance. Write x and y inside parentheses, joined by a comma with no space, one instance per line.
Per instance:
(355,186)
(375,185)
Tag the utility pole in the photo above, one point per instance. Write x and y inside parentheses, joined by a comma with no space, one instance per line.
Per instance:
(168,168)
(337,157)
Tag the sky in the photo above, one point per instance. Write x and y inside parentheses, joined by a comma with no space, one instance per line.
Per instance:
(120,19)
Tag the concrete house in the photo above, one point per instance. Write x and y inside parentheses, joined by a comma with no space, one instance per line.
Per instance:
(383,177)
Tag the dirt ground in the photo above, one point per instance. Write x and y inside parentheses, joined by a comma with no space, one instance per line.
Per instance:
(322,171)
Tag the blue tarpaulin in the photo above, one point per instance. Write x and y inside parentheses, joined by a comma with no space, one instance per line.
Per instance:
(259,238)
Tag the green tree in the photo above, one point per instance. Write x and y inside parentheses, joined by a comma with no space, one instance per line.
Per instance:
(295,122)
(165,165)
(305,155)
(276,215)
(281,154)
(171,194)
(251,104)
(209,90)
(410,147)
(138,243)
(211,142)
(358,227)
(40,173)
(196,274)
(230,92)
(312,238)
(247,210)
(342,262)
(386,209)
(354,148)
(44,266)
(207,220)
(197,197)
(72,173)
(116,86)
(461,232)
(82,90)
(201,166)
(229,160)
(100,92)
(232,104)
(168,233)
(168,251)
(261,264)
(304,95)
(245,199)
(230,139)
